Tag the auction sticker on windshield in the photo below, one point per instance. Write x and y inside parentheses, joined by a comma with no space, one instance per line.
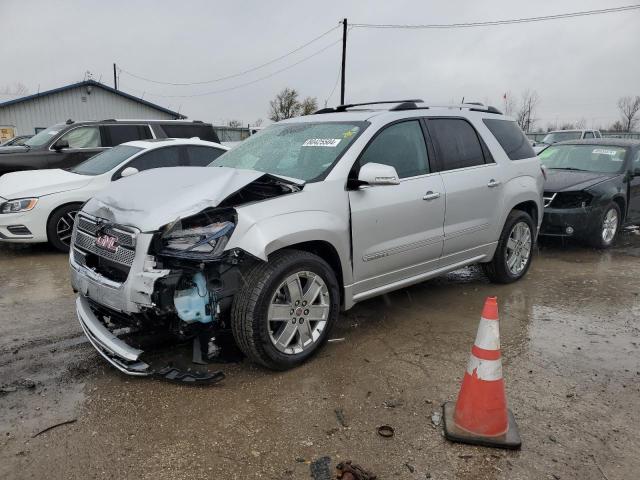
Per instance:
(602,151)
(321,142)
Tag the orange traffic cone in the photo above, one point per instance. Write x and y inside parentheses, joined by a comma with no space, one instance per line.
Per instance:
(480,416)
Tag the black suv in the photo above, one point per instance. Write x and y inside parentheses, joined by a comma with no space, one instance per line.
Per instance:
(66,145)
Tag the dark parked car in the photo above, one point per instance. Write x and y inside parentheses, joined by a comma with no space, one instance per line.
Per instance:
(592,189)
(69,144)
(16,141)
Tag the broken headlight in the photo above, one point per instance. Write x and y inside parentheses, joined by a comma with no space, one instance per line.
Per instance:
(572,200)
(197,242)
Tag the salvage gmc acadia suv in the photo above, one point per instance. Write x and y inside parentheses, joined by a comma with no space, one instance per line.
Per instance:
(308,217)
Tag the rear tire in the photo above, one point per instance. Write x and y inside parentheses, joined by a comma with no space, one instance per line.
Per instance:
(512,258)
(60,226)
(608,226)
(283,313)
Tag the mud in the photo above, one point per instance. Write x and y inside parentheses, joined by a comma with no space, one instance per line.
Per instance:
(571,352)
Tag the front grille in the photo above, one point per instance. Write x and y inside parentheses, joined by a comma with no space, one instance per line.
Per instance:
(126,239)
(113,265)
(87,243)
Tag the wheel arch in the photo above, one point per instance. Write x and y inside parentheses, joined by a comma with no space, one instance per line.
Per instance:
(530,207)
(622,204)
(327,252)
(57,209)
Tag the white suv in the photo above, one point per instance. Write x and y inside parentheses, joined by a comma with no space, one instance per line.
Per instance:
(309,216)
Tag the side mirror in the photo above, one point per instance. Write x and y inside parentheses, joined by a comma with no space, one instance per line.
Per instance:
(61,144)
(378,174)
(127,172)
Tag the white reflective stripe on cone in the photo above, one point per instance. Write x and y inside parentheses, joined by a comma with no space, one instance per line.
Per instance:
(487,370)
(488,337)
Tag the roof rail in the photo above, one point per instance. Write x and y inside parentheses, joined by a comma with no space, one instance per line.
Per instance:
(343,108)
(480,107)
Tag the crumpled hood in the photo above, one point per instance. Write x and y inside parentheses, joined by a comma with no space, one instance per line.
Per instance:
(571,180)
(151,199)
(37,183)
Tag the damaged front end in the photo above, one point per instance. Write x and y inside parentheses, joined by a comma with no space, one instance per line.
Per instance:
(176,283)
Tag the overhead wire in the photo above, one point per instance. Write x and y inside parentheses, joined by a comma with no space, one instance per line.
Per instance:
(491,23)
(234,75)
(235,87)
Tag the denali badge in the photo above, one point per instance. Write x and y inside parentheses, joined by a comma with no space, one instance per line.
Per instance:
(107,242)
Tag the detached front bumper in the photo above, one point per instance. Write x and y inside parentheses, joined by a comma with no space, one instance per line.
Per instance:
(122,356)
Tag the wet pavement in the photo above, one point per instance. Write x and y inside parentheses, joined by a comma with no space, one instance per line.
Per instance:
(570,337)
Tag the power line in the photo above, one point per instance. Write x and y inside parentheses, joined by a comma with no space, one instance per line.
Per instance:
(234,75)
(500,22)
(318,52)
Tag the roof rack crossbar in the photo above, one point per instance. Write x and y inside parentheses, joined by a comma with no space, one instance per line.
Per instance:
(343,108)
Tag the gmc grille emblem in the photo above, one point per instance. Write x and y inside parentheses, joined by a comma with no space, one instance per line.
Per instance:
(107,242)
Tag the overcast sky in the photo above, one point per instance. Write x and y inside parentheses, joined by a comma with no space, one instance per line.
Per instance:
(579,66)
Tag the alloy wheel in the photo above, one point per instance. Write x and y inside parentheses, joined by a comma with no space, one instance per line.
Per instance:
(298,312)
(518,248)
(609,226)
(64,227)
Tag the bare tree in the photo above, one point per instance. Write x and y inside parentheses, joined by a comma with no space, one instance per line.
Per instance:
(285,105)
(258,122)
(629,108)
(581,123)
(235,123)
(616,126)
(308,106)
(525,115)
(18,89)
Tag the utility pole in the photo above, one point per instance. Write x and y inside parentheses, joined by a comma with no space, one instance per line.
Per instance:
(344,59)
(115,77)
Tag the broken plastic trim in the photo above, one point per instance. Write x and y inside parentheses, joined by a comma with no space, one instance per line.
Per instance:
(128,359)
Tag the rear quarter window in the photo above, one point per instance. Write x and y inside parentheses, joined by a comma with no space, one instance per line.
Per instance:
(510,137)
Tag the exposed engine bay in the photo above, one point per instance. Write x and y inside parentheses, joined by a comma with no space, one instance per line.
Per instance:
(188,282)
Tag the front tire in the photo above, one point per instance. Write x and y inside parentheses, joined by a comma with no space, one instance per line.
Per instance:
(284,312)
(513,254)
(60,226)
(604,235)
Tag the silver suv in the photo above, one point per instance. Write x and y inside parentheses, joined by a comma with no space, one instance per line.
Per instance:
(306,218)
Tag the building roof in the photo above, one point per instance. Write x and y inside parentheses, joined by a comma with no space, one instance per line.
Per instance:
(92,83)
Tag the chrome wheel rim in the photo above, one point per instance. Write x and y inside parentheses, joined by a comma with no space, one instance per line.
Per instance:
(518,248)
(64,227)
(610,226)
(298,312)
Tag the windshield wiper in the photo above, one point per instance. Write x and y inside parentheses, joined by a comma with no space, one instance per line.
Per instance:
(569,168)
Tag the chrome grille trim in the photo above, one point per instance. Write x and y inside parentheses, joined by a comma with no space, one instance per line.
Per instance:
(122,255)
(125,238)
(548,198)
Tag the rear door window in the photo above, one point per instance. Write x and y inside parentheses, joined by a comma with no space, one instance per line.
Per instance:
(510,137)
(180,130)
(158,158)
(201,156)
(117,134)
(456,143)
(401,146)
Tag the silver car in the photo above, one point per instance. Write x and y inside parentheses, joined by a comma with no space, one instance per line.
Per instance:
(302,220)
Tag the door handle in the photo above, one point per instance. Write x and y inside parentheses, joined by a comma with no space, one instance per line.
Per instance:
(493,183)
(430,195)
